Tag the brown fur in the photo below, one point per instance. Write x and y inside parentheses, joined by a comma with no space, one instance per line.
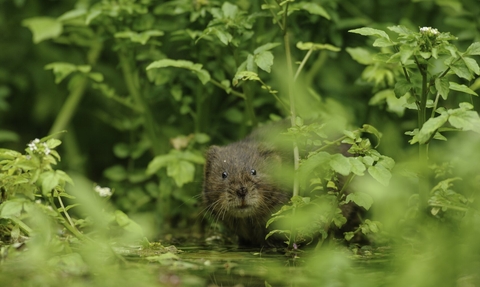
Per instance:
(243,199)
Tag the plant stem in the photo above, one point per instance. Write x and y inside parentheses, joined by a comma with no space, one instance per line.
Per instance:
(73,99)
(302,64)
(423,148)
(232,91)
(132,82)
(290,82)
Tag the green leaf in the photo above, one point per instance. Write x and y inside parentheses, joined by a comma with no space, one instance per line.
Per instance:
(264,60)
(372,130)
(11,208)
(312,8)
(245,76)
(314,46)
(461,88)
(181,171)
(229,10)
(61,70)
(202,74)
(43,28)
(361,199)
(472,65)
(464,119)
(49,180)
(141,38)
(265,47)
(361,55)
(339,163)
(72,14)
(401,30)
(358,167)
(382,42)
(402,86)
(365,31)
(460,69)
(430,127)
(443,87)
(473,49)
(159,162)
(127,224)
(380,173)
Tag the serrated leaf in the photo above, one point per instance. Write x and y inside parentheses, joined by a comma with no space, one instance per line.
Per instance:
(264,60)
(43,28)
(202,74)
(380,174)
(362,199)
(472,65)
(473,49)
(443,87)
(460,69)
(461,88)
(431,126)
(465,120)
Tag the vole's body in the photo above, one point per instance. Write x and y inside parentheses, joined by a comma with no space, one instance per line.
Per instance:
(239,188)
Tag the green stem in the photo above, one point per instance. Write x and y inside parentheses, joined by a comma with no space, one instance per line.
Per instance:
(423,148)
(131,78)
(68,109)
(302,64)
(226,89)
(59,198)
(296,154)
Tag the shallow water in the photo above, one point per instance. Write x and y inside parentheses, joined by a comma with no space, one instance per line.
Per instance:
(227,265)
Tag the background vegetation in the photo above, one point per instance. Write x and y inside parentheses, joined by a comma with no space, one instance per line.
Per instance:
(143,87)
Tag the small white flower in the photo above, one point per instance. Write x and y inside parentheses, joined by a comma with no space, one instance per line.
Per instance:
(103,191)
(46,149)
(429,30)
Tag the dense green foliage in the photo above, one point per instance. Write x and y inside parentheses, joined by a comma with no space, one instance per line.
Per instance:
(143,87)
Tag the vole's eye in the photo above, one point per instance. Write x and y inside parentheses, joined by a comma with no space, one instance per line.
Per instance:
(224,174)
(253,172)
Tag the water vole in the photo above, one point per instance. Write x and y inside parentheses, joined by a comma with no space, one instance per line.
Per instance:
(239,188)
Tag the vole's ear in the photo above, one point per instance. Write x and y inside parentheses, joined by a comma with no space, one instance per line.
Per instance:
(210,156)
(212,151)
(271,155)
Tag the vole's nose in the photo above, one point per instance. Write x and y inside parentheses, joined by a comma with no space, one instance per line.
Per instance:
(241,192)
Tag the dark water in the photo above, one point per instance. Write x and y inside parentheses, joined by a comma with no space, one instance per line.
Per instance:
(227,265)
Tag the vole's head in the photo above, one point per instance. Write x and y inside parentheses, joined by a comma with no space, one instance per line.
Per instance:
(238,180)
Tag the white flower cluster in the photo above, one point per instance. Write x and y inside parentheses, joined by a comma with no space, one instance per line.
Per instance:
(103,191)
(34,147)
(429,31)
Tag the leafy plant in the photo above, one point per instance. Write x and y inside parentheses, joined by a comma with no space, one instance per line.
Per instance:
(420,70)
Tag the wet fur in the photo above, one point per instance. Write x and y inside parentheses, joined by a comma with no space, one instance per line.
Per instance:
(243,201)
